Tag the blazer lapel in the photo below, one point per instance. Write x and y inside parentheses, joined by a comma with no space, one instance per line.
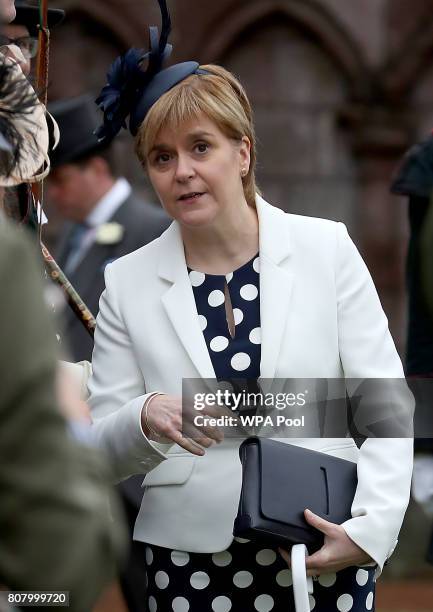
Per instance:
(275,283)
(179,302)
(275,291)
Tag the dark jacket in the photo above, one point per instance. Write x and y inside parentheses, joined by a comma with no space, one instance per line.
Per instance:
(142,223)
(55,530)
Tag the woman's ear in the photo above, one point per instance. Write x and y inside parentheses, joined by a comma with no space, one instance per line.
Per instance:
(245,154)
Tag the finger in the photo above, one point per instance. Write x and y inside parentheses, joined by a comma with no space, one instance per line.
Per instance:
(314,561)
(318,522)
(207,433)
(320,560)
(194,428)
(187,444)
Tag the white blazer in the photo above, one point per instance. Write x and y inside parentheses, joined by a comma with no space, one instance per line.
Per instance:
(320,317)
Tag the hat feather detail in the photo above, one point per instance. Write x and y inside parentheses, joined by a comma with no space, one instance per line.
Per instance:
(128,77)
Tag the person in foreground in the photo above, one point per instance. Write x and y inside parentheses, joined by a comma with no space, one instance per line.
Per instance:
(234,287)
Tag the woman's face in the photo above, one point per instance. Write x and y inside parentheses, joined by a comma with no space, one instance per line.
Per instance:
(196,172)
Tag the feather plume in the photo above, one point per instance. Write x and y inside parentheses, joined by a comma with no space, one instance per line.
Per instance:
(128,77)
(17,103)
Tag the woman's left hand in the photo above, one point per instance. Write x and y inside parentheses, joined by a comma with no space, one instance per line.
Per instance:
(337,552)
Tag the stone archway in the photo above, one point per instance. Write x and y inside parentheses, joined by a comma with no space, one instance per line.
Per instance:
(308,16)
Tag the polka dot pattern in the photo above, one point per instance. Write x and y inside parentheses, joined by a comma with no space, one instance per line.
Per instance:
(222,559)
(162,580)
(266,556)
(255,335)
(153,606)
(199,580)
(216,298)
(284,578)
(241,540)
(345,602)
(196,278)
(180,604)
(219,343)
(240,362)
(327,580)
(221,604)
(264,603)
(236,357)
(203,322)
(243,579)
(238,316)
(179,557)
(246,577)
(249,292)
(361,577)
(149,555)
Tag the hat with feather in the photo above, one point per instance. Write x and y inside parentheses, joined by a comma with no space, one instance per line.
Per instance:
(136,80)
(25,128)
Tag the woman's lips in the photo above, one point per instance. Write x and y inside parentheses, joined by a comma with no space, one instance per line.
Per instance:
(191,198)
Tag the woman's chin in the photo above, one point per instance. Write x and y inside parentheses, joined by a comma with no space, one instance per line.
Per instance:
(196,218)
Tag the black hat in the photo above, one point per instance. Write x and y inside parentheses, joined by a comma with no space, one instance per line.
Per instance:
(137,79)
(28,15)
(78,118)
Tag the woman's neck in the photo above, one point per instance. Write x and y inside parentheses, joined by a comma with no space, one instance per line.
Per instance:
(223,247)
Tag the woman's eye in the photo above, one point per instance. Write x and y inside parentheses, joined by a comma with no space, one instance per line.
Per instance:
(162,158)
(202,147)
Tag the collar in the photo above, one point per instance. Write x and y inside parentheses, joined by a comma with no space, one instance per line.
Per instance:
(109,203)
(274,241)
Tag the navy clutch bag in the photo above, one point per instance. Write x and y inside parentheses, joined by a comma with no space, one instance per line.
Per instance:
(279,481)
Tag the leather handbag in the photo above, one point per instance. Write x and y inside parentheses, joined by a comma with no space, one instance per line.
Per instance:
(279,481)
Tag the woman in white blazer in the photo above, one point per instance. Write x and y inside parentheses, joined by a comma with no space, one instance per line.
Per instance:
(313,312)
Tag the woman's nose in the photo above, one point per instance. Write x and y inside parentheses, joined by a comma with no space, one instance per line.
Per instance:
(184,169)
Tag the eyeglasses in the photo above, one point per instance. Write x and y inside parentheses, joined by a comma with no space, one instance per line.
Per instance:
(27,44)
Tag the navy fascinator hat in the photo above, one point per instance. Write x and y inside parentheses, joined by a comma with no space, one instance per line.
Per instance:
(137,79)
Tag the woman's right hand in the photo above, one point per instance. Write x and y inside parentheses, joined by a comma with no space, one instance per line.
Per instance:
(166,418)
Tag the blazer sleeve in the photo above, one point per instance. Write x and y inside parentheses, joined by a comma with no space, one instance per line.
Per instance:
(118,393)
(367,351)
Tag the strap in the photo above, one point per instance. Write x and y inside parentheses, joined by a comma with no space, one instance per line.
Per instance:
(302,585)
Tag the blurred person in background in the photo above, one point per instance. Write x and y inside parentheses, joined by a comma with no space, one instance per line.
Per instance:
(414,179)
(55,529)
(7,11)
(106,220)
(23,31)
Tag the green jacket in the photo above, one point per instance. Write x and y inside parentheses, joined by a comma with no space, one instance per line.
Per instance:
(55,530)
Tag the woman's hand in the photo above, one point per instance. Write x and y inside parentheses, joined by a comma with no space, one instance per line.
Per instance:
(167,421)
(337,552)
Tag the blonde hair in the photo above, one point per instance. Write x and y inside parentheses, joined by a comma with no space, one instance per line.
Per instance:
(220,97)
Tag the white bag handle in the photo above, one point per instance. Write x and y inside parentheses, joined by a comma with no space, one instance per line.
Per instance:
(302,585)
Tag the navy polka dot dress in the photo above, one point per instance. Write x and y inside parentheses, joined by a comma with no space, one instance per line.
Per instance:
(246,577)
(237,357)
